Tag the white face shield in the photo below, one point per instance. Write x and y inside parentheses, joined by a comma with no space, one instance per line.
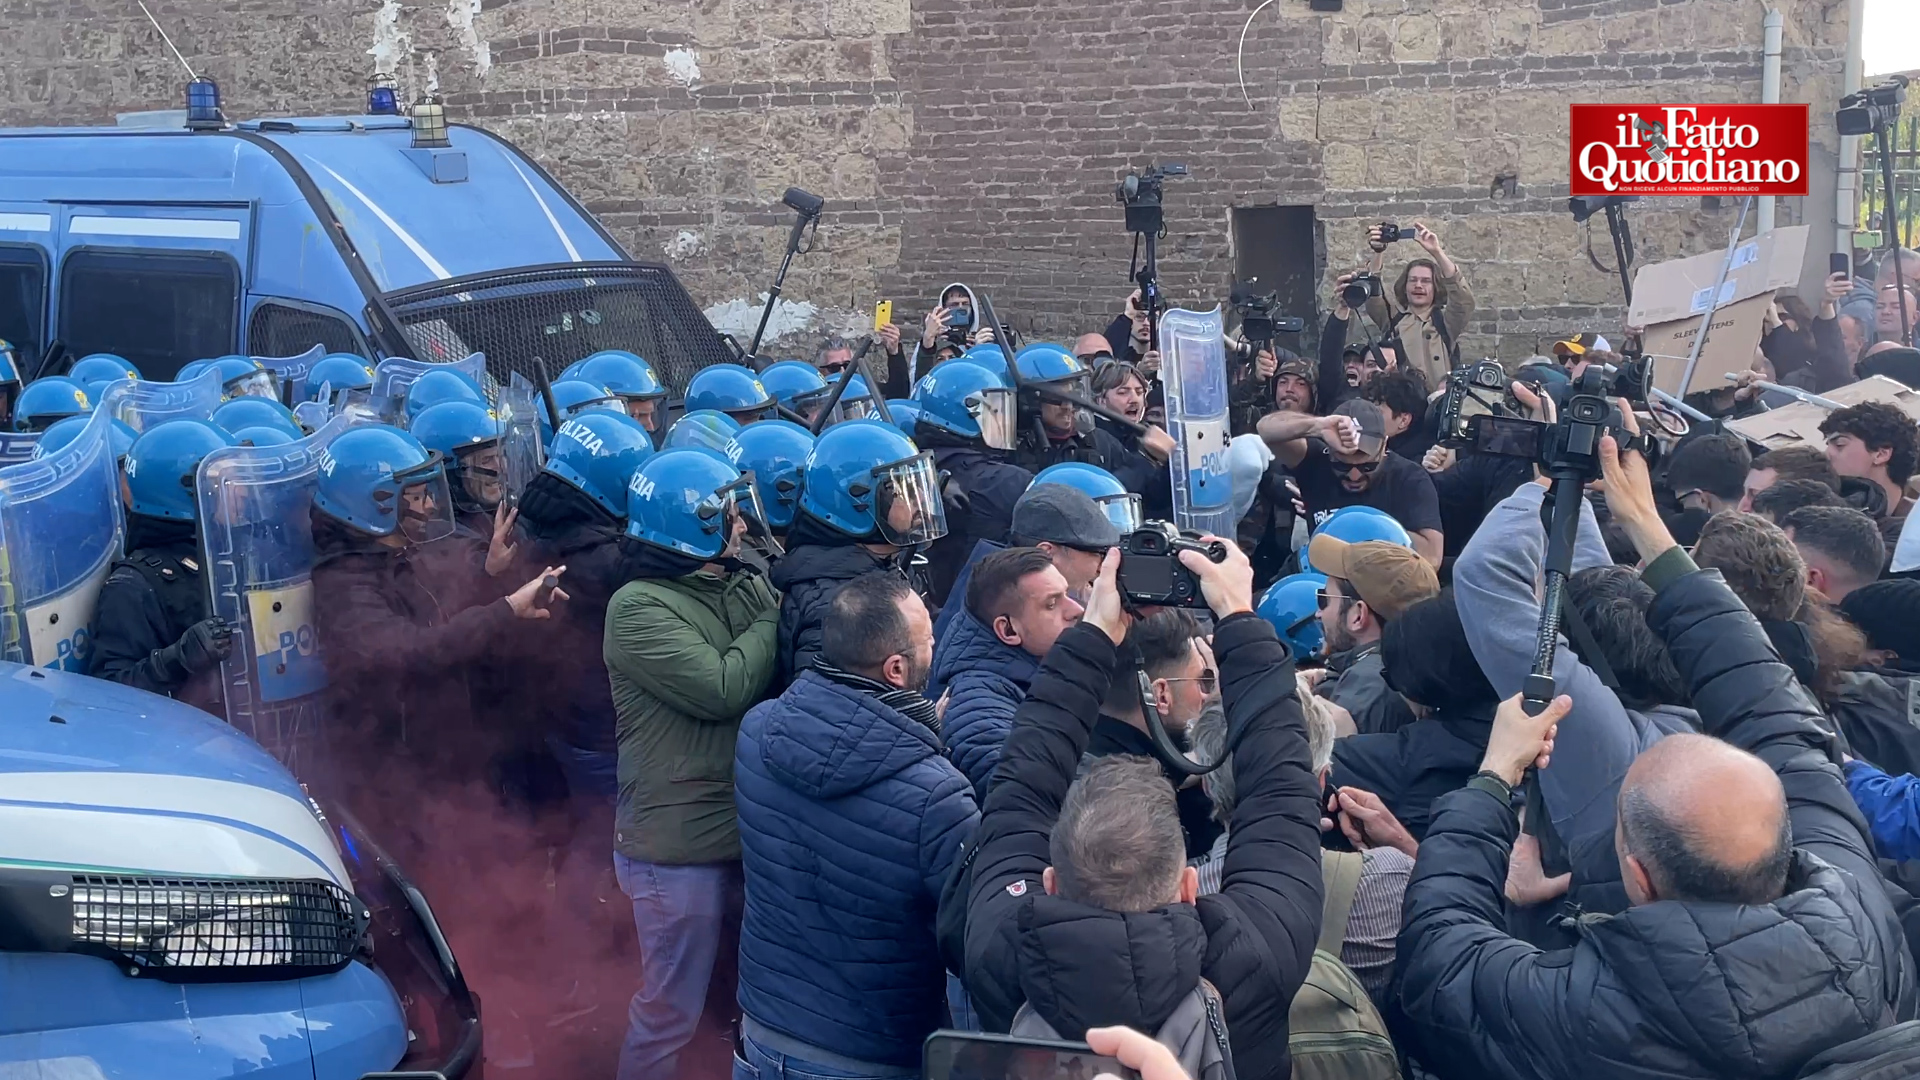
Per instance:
(906,501)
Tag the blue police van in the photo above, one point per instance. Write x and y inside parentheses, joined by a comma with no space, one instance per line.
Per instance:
(382,235)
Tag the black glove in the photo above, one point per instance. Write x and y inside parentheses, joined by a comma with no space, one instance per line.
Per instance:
(201,648)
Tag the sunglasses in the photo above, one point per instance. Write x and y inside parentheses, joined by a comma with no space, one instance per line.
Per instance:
(1096,359)
(1209,681)
(1323,597)
(1364,468)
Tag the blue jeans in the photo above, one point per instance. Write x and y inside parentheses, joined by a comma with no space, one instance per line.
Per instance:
(755,1062)
(681,913)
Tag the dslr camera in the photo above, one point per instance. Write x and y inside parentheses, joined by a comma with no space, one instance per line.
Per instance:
(1151,574)
(1475,390)
(1570,447)
(1871,108)
(1258,324)
(1358,291)
(1141,194)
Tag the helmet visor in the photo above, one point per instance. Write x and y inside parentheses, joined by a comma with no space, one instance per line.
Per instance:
(906,501)
(1122,510)
(739,501)
(647,409)
(993,408)
(482,469)
(261,384)
(426,507)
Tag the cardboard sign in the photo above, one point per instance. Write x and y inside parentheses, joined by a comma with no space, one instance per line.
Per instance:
(1798,424)
(1669,299)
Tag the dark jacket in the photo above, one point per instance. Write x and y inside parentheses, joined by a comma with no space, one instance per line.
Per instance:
(1878,713)
(1815,360)
(1096,447)
(149,600)
(1357,682)
(850,821)
(1415,765)
(985,680)
(566,528)
(396,657)
(1081,967)
(1667,989)
(990,487)
(807,576)
(686,658)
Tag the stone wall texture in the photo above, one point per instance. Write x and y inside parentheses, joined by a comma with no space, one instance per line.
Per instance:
(981,139)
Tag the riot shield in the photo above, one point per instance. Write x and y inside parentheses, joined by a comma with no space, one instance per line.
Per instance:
(393,376)
(60,531)
(141,404)
(518,408)
(313,415)
(253,503)
(17,446)
(1194,369)
(292,371)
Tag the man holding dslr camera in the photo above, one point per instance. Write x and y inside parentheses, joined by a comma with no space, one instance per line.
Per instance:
(1430,305)
(1082,904)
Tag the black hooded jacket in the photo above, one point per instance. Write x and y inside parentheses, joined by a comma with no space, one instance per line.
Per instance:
(818,561)
(1671,988)
(989,487)
(1081,967)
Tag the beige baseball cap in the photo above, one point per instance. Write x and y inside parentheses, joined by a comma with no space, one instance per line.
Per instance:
(1390,578)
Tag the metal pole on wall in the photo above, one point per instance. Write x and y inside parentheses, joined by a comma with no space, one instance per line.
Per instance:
(1769,93)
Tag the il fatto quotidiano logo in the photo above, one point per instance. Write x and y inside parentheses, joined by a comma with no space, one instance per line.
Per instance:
(1688,149)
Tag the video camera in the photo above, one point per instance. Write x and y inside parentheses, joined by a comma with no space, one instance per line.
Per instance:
(1871,108)
(1141,194)
(1569,448)
(1480,389)
(1258,324)
(1393,234)
(1151,574)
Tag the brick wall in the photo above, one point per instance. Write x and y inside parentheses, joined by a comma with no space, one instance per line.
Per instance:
(980,139)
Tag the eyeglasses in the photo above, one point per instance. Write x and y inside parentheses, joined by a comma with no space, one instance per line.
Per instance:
(1096,359)
(1209,681)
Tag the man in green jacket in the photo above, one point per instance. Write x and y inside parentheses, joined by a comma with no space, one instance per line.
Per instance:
(689,648)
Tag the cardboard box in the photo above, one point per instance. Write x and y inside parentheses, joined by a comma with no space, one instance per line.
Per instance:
(1798,424)
(1669,299)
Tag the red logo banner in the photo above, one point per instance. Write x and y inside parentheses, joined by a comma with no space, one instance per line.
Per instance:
(1688,149)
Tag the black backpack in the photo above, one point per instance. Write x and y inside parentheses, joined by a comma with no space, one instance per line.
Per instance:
(1888,1054)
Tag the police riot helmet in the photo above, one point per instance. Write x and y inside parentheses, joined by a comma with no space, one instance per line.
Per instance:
(775,452)
(856,402)
(905,413)
(65,431)
(1121,506)
(438,385)
(263,435)
(962,398)
(865,479)
(702,427)
(1355,524)
(161,464)
(988,355)
(338,372)
(100,370)
(620,371)
(728,388)
(789,379)
(379,480)
(467,438)
(191,370)
(1045,362)
(685,500)
(575,396)
(247,412)
(1292,606)
(46,400)
(597,453)
(243,376)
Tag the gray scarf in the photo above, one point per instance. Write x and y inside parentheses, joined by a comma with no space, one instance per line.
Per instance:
(910,703)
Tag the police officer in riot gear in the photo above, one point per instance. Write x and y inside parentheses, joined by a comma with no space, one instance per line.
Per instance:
(337,373)
(467,438)
(731,389)
(151,627)
(1055,431)
(47,401)
(868,496)
(98,371)
(444,384)
(967,419)
(574,512)
(775,452)
(630,379)
(251,412)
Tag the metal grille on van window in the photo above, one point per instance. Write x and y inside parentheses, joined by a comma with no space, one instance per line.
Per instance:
(562,314)
(179,929)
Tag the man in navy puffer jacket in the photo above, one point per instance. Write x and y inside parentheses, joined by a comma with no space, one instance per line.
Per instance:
(1016,607)
(850,821)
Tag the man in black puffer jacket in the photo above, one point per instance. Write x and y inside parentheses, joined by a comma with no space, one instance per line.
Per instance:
(818,561)
(1043,927)
(1759,934)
